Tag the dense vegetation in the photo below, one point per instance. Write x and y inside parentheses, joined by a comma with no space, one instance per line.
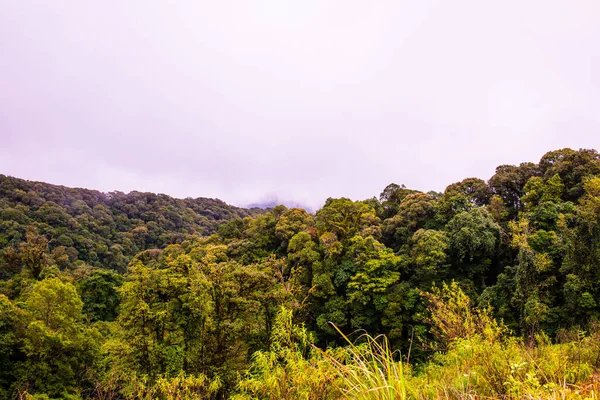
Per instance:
(103,229)
(489,289)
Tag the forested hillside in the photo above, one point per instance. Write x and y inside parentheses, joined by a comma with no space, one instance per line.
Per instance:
(101,229)
(490,289)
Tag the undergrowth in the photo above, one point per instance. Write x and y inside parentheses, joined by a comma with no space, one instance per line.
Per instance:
(478,360)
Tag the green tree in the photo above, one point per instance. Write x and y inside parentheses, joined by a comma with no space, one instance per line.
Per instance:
(416,211)
(429,258)
(31,255)
(293,221)
(474,240)
(57,346)
(462,196)
(377,269)
(573,166)
(346,218)
(508,183)
(391,197)
(12,327)
(100,295)
(583,257)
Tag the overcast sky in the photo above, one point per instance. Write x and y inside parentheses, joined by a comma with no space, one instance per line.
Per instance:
(303,100)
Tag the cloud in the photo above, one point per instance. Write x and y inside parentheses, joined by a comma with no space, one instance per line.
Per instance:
(301,100)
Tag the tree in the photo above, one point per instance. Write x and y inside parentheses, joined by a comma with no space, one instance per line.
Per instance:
(377,269)
(416,211)
(31,255)
(428,257)
(302,254)
(57,346)
(193,311)
(291,222)
(573,167)
(391,197)
(583,256)
(474,240)
(100,295)
(462,196)
(508,183)
(346,218)
(11,340)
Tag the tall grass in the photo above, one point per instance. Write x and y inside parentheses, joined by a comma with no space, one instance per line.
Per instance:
(479,360)
(368,371)
(472,368)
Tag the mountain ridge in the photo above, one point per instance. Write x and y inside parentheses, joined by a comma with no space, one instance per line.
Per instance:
(87,224)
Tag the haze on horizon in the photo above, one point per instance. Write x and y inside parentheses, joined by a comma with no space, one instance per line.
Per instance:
(296,100)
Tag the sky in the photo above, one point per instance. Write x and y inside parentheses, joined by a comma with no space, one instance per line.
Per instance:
(251,100)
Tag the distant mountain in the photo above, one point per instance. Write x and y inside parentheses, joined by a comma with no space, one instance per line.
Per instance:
(273,201)
(103,229)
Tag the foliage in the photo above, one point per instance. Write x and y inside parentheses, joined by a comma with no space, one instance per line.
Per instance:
(42,223)
(452,317)
(369,370)
(290,369)
(487,290)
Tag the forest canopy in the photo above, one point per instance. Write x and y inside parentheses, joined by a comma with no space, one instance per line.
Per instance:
(113,295)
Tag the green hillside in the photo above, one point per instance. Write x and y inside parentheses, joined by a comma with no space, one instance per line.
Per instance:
(103,229)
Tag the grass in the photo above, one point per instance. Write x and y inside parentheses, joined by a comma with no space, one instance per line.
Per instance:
(368,371)
(479,360)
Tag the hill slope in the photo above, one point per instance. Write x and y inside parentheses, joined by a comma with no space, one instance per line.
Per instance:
(103,229)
